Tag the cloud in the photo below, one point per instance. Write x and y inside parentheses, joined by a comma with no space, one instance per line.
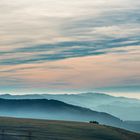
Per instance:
(63,50)
(85,35)
(34,33)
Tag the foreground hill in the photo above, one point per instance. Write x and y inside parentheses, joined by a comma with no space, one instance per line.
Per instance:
(57,110)
(62,130)
(124,108)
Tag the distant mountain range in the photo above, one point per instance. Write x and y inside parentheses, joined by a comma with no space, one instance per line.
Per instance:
(124,108)
(57,110)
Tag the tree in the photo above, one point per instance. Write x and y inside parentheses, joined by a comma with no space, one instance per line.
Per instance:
(94,122)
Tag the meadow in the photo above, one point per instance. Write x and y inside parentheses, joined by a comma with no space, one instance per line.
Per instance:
(32,129)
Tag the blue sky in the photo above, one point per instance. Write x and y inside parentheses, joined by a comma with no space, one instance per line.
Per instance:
(69,46)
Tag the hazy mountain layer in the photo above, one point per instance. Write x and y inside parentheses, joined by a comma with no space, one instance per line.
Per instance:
(57,110)
(124,108)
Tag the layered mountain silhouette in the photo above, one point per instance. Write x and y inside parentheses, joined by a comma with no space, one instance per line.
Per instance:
(124,108)
(58,110)
(52,109)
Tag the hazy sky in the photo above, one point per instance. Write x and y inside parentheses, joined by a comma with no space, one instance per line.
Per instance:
(69,45)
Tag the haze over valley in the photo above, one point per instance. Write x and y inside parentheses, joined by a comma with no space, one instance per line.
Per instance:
(73,66)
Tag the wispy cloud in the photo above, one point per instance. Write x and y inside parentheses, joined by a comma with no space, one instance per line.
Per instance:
(33,33)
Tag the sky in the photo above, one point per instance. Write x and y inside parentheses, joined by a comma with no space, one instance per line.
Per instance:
(60,46)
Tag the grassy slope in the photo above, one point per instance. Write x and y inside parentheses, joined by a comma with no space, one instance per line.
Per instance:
(62,130)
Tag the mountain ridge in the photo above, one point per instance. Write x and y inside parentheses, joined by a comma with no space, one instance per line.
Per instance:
(58,110)
(121,107)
